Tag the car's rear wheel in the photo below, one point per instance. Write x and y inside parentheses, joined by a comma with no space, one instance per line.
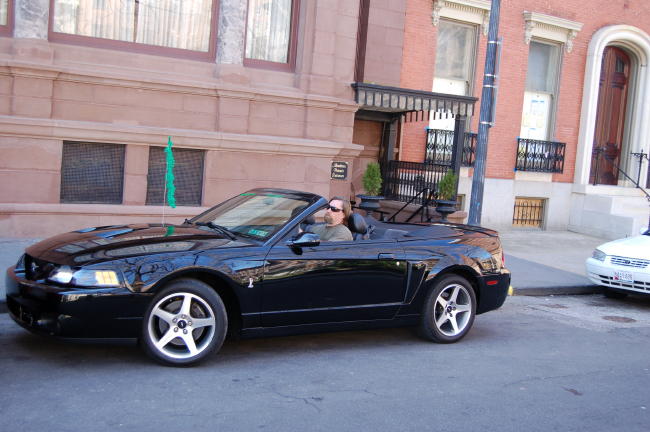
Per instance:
(449,310)
(185,322)
(614,294)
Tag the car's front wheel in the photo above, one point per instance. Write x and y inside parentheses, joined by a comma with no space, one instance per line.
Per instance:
(449,310)
(185,322)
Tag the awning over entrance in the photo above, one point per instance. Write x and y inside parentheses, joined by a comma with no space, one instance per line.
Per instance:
(417,103)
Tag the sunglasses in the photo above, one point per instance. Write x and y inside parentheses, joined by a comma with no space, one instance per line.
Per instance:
(334,209)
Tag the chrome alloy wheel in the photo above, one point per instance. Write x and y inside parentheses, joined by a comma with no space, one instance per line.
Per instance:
(452,310)
(181,325)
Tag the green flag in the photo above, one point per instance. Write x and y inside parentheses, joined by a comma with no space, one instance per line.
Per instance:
(169,174)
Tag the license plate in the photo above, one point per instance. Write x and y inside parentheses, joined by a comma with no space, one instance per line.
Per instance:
(621,276)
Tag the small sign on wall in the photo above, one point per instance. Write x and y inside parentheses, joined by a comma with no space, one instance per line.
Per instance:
(339,170)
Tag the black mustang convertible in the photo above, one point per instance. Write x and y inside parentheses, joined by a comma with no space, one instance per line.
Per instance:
(249,267)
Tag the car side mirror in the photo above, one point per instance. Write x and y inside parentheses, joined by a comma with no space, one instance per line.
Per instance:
(304,239)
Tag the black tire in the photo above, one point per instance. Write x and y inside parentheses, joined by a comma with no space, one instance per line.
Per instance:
(614,294)
(185,323)
(437,307)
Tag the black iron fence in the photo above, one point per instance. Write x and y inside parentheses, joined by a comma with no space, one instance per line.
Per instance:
(404,180)
(540,156)
(440,144)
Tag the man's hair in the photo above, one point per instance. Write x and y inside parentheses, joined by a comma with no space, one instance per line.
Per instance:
(347,207)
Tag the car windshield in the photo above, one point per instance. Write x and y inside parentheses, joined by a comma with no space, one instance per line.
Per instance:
(254,214)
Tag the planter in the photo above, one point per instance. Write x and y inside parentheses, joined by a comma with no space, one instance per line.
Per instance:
(370,203)
(445,208)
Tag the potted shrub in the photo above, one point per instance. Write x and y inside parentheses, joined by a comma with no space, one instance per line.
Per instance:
(446,195)
(372,185)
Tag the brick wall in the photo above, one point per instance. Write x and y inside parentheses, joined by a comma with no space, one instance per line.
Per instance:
(419,59)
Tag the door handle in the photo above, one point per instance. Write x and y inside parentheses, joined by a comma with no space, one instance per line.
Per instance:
(386,256)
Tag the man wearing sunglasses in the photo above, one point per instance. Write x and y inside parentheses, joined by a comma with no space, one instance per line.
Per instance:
(336,217)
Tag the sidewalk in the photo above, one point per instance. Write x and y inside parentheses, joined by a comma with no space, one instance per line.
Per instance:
(549,262)
(541,262)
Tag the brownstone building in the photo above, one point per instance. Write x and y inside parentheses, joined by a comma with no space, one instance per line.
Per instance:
(259,93)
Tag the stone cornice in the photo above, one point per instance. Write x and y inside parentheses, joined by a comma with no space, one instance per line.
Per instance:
(125,78)
(550,27)
(475,11)
(146,135)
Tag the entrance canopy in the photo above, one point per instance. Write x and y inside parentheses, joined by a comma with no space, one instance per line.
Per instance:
(416,103)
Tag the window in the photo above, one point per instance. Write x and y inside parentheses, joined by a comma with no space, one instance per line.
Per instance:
(177,27)
(455,54)
(529,212)
(6,17)
(188,176)
(92,173)
(455,58)
(541,91)
(271,32)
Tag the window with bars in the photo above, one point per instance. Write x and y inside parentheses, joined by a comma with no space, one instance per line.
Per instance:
(528,212)
(188,176)
(92,173)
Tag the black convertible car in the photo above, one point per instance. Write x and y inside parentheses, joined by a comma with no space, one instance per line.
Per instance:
(248,267)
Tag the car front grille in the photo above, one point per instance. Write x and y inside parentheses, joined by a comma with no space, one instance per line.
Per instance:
(636,285)
(629,262)
(36,269)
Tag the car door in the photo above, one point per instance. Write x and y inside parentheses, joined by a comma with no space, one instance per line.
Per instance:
(332,282)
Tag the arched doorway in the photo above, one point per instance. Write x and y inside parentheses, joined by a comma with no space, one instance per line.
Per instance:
(636,129)
(610,118)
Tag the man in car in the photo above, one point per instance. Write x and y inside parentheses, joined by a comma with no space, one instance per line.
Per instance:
(336,219)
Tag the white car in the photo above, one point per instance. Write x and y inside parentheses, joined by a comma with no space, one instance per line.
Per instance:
(622,266)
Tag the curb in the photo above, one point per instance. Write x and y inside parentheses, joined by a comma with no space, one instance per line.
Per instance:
(558,290)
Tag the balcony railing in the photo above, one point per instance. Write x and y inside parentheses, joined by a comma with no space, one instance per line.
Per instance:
(404,180)
(440,144)
(540,156)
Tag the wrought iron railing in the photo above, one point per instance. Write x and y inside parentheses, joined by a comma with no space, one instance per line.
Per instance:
(600,157)
(540,156)
(405,180)
(440,144)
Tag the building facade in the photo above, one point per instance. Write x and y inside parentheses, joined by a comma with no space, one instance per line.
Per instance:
(260,93)
(569,141)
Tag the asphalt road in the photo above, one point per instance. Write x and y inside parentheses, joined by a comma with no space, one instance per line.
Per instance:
(538,364)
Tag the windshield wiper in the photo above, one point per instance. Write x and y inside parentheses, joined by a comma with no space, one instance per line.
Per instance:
(223,230)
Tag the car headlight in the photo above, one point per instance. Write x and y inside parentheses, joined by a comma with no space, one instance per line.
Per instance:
(599,255)
(85,277)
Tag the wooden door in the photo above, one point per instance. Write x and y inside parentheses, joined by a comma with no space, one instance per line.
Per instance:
(610,120)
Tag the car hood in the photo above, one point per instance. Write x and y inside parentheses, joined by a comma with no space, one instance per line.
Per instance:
(91,245)
(631,247)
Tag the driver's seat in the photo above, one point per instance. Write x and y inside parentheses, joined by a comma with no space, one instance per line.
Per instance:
(358,226)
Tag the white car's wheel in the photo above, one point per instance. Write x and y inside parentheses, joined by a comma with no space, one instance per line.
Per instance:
(185,322)
(449,310)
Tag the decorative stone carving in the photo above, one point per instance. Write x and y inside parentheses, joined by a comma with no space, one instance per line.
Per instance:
(528,34)
(551,28)
(435,14)
(472,11)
